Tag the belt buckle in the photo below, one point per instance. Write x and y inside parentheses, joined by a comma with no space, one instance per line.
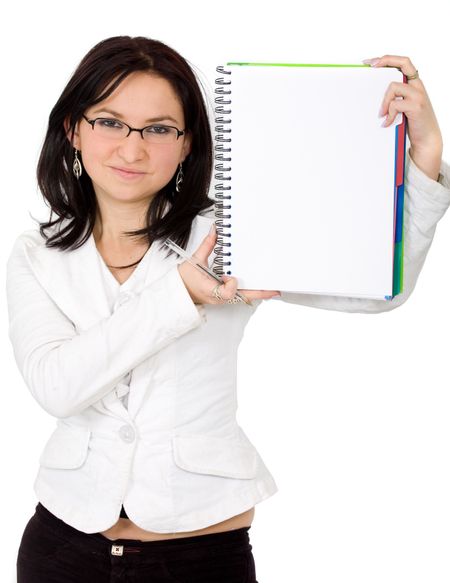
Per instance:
(117,550)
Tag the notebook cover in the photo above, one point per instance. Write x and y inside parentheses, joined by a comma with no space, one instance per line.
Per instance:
(261,278)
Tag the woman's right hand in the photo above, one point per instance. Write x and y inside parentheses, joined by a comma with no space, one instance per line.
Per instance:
(200,285)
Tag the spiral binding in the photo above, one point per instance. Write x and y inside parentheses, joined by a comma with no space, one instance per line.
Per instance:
(222,153)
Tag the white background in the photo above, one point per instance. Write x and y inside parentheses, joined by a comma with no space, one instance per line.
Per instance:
(350,412)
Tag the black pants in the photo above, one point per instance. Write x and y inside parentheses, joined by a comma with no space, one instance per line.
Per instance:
(51,551)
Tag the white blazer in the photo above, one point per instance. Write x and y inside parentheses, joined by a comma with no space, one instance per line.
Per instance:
(172,451)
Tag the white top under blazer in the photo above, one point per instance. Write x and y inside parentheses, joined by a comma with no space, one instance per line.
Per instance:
(142,381)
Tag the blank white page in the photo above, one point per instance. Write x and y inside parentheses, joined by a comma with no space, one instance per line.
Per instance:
(313,180)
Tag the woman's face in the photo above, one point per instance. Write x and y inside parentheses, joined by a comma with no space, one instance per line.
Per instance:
(138,100)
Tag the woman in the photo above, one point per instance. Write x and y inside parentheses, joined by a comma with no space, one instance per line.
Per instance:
(131,348)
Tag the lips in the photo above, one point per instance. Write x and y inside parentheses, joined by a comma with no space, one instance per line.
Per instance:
(126,172)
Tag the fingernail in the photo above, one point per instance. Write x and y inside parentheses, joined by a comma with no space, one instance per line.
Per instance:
(385,123)
(371,62)
(212,230)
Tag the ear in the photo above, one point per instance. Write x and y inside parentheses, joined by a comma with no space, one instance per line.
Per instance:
(75,139)
(187,146)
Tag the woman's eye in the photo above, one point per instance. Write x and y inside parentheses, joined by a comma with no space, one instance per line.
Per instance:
(157,130)
(110,123)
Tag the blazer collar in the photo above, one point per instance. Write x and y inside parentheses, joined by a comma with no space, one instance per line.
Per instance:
(74,281)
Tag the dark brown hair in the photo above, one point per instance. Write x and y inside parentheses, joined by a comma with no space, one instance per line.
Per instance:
(99,73)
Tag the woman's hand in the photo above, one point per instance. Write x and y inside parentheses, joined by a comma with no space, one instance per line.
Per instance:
(412,99)
(200,285)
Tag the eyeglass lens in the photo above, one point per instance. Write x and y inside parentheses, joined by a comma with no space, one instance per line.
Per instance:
(115,129)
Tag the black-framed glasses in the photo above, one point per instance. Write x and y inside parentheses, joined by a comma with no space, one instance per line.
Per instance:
(108,127)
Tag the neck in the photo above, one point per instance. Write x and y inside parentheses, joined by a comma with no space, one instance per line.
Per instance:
(111,224)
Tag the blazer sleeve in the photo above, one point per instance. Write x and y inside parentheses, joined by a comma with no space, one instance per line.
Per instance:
(426,201)
(66,370)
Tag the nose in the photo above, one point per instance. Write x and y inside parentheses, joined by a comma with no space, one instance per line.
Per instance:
(132,148)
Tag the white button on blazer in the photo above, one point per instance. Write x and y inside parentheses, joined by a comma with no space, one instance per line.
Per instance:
(143,386)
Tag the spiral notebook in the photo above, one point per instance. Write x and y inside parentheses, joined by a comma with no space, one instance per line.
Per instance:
(308,184)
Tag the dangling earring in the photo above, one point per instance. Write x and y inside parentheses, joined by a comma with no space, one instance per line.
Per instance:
(77,168)
(179,179)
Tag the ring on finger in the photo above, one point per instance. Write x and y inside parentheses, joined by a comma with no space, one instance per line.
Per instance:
(415,76)
(216,294)
(408,77)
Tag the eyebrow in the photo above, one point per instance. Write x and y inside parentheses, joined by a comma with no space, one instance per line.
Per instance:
(151,120)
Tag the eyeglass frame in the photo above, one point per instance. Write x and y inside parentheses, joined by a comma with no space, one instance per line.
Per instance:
(130,129)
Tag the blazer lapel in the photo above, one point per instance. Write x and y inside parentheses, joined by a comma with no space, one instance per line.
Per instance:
(73,281)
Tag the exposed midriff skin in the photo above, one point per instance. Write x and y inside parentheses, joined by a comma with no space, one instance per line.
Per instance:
(125,528)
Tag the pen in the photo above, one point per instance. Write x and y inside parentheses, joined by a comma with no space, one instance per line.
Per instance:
(200,267)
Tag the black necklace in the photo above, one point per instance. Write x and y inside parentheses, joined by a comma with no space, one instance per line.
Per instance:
(131,264)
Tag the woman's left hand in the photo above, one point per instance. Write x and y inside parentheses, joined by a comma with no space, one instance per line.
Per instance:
(412,99)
